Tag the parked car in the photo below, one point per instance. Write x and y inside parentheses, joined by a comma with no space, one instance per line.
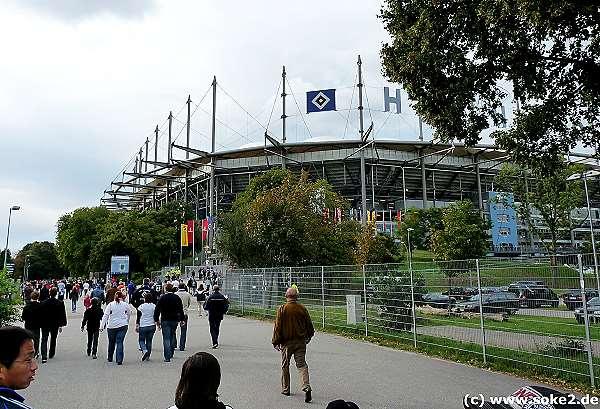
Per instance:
(534,294)
(498,302)
(572,298)
(593,310)
(438,300)
(461,293)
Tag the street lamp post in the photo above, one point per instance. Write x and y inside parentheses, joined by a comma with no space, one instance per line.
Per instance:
(584,176)
(412,288)
(589,209)
(8,233)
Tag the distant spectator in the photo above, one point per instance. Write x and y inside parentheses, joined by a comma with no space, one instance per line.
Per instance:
(216,305)
(186,300)
(199,382)
(92,318)
(54,317)
(145,325)
(116,320)
(168,312)
(32,317)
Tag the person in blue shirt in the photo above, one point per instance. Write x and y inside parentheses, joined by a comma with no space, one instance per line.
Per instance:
(17,365)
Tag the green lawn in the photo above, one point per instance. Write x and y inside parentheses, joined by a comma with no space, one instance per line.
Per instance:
(549,326)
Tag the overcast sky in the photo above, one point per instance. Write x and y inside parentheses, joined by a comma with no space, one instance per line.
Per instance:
(83,83)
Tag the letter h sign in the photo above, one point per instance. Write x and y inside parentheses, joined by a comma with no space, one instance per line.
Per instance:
(387,100)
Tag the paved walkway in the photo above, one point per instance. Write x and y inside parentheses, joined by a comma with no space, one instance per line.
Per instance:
(374,377)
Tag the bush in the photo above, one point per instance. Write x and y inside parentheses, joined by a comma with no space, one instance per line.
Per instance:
(9,299)
(566,348)
(393,297)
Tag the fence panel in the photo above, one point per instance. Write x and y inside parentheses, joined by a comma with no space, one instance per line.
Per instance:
(524,313)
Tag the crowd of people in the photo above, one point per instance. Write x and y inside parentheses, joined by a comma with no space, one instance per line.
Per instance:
(162,305)
(158,306)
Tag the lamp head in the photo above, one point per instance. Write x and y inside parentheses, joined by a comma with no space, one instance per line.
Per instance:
(15,208)
(410,229)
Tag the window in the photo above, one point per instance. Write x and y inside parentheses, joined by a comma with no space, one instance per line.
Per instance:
(502,218)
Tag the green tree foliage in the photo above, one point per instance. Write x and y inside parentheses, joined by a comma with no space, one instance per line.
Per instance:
(551,195)
(373,248)
(392,294)
(455,59)
(278,220)
(9,299)
(147,237)
(43,261)
(77,233)
(424,223)
(9,258)
(463,235)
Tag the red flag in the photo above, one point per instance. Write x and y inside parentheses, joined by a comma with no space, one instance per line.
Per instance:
(190,231)
(204,229)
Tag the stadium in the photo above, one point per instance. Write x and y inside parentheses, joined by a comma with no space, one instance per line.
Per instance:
(398,174)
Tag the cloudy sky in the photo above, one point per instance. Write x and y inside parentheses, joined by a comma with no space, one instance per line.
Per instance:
(83,83)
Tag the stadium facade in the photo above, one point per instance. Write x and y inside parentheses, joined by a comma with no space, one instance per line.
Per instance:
(399,175)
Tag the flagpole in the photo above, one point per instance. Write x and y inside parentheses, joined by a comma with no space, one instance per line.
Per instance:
(194,243)
(363,187)
(180,252)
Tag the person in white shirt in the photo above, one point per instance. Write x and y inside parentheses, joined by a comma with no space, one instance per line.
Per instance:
(86,288)
(186,299)
(145,325)
(116,320)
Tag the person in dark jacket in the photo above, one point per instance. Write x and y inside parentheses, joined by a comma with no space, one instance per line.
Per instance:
(54,318)
(98,293)
(44,293)
(139,295)
(92,317)
(216,305)
(17,365)
(32,317)
(169,309)
(74,296)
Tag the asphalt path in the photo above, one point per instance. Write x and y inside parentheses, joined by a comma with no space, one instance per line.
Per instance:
(372,376)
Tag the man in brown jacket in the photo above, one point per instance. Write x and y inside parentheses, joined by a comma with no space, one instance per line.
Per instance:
(293,330)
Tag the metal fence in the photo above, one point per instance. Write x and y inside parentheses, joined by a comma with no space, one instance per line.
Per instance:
(513,314)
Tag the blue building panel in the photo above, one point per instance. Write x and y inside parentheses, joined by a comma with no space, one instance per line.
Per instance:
(504,221)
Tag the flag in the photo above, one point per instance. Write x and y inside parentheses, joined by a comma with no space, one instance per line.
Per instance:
(399,219)
(184,236)
(325,214)
(338,215)
(190,232)
(320,100)
(204,229)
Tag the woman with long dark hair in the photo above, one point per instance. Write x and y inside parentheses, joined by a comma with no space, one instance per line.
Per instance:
(200,379)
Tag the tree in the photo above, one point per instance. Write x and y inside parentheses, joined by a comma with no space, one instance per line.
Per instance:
(373,248)
(279,220)
(462,238)
(551,195)
(42,259)
(455,59)
(424,223)
(9,258)
(76,234)
(464,233)
(88,237)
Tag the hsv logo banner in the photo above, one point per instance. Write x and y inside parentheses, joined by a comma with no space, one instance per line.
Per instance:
(321,100)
